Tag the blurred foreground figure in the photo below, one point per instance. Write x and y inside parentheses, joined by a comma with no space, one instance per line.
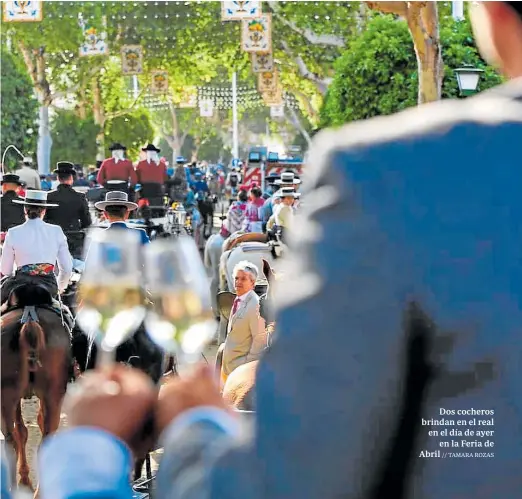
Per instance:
(404,299)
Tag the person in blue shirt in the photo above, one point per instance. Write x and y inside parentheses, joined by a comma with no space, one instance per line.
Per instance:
(199,184)
(5,478)
(80,180)
(117,208)
(46,183)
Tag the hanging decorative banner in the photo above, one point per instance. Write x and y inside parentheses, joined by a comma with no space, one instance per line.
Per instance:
(277,111)
(273,97)
(206,108)
(268,81)
(23,12)
(132,59)
(160,82)
(262,62)
(256,35)
(238,11)
(189,97)
(94,41)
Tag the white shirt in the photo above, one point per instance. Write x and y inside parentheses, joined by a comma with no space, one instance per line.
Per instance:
(240,300)
(37,242)
(283,215)
(30,177)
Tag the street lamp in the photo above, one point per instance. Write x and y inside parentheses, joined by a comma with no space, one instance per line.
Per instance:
(468,78)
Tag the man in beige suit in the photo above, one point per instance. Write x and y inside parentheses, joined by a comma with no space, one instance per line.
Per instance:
(246,337)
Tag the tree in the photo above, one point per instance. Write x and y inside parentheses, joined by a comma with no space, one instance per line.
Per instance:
(74,138)
(423,22)
(378,74)
(134,130)
(19,108)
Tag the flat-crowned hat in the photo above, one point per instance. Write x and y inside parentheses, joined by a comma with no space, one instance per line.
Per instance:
(285,192)
(117,147)
(287,178)
(35,198)
(11,178)
(65,167)
(273,176)
(116,198)
(151,147)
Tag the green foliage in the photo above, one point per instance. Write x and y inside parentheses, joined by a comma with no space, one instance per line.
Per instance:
(74,139)
(19,109)
(377,75)
(459,49)
(134,130)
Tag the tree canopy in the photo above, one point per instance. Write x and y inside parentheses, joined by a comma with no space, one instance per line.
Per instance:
(19,108)
(74,138)
(378,75)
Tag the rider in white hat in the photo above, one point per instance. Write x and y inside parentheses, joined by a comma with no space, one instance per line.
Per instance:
(35,247)
(116,208)
(284,212)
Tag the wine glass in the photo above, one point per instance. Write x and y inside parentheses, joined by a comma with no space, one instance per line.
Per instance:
(180,319)
(111,302)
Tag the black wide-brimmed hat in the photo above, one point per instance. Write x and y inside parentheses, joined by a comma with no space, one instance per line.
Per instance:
(151,147)
(11,178)
(288,178)
(65,168)
(273,176)
(35,198)
(285,192)
(116,198)
(117,147)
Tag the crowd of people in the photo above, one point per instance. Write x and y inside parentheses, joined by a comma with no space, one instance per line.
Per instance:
(402,299)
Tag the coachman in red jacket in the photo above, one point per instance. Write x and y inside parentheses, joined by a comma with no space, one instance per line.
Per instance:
(152,175)
(117,168)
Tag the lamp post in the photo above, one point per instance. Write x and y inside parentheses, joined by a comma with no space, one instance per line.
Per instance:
(468,79)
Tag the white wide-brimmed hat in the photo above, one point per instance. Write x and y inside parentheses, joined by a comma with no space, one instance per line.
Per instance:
(116,198)
(35,198)
(287,178)
(285,192)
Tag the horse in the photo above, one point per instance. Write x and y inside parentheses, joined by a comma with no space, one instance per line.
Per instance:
(36,360)
(139,351)
(238,391)
(206,209)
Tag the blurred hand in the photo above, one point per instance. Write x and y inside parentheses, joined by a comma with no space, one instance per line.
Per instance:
(118,400)
(180,394)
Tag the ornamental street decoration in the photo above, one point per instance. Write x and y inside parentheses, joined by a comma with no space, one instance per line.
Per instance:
(262,62)
(247,98)
(160,82)
(131,60)
(277,111)
(256,35)
(206,108)
(94,39)
(189,97)
(23,12)
(273,97)
(267,81)
(238,11)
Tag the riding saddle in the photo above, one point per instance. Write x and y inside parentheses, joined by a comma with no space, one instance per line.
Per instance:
(31,296)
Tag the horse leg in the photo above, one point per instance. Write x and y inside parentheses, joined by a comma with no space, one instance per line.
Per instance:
(22,435)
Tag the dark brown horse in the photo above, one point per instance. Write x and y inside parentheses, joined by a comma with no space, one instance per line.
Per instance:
(36,358)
